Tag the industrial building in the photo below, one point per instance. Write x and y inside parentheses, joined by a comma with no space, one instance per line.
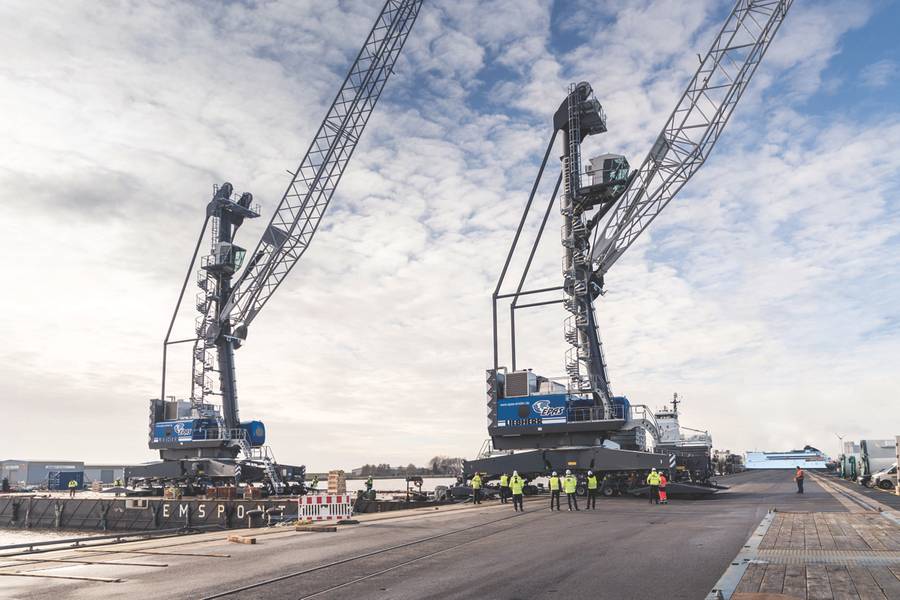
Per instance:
(103,473)
(35,472)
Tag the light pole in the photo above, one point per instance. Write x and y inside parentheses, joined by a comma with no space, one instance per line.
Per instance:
(840,452)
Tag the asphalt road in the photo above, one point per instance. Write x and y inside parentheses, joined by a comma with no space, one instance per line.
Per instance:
(626,549)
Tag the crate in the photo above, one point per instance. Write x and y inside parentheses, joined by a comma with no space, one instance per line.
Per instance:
(224,492)
(337,482)
(252,493)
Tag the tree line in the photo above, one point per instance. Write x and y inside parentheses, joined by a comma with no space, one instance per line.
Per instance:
(439,465)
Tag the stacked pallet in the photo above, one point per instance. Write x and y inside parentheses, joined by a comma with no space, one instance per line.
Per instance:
(337,482)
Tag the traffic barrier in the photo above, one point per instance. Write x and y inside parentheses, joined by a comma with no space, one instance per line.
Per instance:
(327,507)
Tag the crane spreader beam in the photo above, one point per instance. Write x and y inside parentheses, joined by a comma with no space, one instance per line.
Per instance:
(300,211)
(693,128)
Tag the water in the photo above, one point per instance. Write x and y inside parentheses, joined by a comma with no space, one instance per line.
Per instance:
(397,485)
(23,536)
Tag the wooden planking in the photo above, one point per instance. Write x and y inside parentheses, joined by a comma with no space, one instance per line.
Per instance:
(795,581)
(886,579)
(771,535)
(895,570)
(817,586)
(889,534)
(811,537)
(798,532)
(826,540)
(773,579)
(752,578)
(784,533)
(866,587)
(841,586)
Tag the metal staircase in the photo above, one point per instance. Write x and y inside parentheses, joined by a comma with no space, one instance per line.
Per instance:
(575,260)
(204,353)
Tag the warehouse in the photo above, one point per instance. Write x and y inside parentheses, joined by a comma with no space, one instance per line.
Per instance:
(34,472)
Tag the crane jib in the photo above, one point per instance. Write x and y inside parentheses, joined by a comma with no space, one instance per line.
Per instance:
(693,127)
(299,213)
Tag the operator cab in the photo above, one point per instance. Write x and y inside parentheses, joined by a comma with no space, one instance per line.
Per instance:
(226,258)
(609,178)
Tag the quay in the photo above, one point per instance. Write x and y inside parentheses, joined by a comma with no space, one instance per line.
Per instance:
(825,544)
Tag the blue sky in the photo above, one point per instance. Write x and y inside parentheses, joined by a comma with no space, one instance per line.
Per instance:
(766,294)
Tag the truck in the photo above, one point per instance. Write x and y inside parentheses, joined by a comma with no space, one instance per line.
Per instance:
(875,455)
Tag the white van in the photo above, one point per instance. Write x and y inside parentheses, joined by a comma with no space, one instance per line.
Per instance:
(886,478)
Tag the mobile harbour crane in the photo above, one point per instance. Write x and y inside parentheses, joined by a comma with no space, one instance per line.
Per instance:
(203,440)
(538,424)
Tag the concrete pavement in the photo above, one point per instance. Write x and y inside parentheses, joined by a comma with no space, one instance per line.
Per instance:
(626,549)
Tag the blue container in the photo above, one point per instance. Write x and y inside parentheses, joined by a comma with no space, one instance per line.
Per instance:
(59,480)
(621,406)
(256,432)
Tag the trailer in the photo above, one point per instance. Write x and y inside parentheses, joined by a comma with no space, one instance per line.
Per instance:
(875,455)
(620,471)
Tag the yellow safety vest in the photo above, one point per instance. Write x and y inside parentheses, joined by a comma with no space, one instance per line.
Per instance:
(504,481)
(592,482)
(73,483)
(476,482)
(517,483)
(570,483)
(554,483)
(653,478)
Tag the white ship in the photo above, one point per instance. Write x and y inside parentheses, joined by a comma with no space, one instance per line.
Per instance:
(808,458)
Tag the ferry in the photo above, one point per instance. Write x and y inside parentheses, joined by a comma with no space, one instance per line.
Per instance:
(808,458)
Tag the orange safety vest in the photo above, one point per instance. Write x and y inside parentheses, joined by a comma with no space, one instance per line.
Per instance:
(662,481)
(799,474)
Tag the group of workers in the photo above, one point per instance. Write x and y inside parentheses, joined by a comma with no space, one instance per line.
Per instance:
(513,486)
(569,484)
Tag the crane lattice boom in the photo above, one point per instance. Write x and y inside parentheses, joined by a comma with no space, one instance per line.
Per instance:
(694,126)
(307,196)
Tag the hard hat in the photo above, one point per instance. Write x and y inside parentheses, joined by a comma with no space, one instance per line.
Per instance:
(653,469)
(568,472)
(590,472)
(515,472)
(554,474)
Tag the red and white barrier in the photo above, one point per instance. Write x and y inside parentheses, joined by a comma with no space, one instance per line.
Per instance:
(327,507)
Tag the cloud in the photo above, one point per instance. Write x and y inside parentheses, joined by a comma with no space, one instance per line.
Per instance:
(766,293)
(879,74)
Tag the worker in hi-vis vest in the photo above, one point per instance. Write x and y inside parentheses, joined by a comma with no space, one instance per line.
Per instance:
(555,487)
(592,484)
(570,485)
(798,477)
(653,482)
(476,488)
(663,482)
(517,486)
(73,485)
(504,488)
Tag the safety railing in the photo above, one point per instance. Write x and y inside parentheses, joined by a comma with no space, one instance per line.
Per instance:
(595,413)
